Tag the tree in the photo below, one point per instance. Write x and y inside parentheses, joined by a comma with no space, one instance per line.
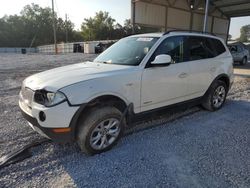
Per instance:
(128,27)
(103,27)
(98,28)
(245,33)
(34,27)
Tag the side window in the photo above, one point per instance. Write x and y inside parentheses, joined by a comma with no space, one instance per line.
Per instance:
(218,46)
(173,46)
(211,52)
(197,48)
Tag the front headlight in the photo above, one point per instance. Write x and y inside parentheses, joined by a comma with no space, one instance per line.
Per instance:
(54,98)
(48,98)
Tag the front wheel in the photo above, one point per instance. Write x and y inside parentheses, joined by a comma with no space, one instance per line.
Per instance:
(100,130)
(216,96)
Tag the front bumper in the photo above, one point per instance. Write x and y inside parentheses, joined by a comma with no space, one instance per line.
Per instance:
(57,117)
(48,132)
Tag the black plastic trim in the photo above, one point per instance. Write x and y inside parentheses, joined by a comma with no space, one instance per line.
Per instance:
(166,109)
(57,137)
(74,120)
(189,31)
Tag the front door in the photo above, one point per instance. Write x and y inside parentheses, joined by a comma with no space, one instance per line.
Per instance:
(165,85)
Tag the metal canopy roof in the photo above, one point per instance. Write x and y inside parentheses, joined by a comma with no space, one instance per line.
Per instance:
(232,8)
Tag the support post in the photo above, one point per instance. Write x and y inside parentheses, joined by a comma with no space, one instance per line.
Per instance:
(229,23)
(206,16)
(66,28)
(133,16)
(54,26)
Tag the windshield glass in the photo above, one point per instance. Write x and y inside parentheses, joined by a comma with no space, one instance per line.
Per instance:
(127,51)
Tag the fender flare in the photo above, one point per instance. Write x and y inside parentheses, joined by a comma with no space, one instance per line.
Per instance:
(219,77)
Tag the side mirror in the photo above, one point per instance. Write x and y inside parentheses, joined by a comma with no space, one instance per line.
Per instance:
(162,59)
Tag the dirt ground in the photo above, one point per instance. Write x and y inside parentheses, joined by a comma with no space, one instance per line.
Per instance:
(242,70)
(191,148)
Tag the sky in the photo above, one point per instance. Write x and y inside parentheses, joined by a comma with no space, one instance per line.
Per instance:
(77,10)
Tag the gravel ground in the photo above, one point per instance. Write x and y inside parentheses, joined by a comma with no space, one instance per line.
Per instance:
(192,148)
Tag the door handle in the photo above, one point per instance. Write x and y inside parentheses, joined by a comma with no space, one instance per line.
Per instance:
(183,75)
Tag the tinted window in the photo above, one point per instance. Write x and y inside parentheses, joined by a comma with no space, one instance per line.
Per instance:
(218,46)
(173,46)
(197,48)
(210,48)
(204,47)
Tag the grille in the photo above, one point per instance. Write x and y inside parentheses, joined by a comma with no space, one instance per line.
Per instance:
(26,95)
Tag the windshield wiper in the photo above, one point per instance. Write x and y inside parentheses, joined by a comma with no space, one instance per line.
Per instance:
(104,62)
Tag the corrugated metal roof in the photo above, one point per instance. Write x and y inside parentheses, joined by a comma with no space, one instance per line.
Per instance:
(233,8)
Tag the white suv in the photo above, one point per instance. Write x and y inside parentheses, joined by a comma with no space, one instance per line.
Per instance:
(90,102)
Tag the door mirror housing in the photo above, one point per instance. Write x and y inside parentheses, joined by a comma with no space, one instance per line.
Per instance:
(162,59)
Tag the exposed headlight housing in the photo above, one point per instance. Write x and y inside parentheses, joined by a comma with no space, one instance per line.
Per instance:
(48,98)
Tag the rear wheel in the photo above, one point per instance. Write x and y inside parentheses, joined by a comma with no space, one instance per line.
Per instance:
(100,130)
(244,61)
(216,96)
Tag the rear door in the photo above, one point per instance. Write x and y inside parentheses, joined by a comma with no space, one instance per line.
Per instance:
(201,56)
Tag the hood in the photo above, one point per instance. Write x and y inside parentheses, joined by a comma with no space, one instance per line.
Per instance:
(55,79)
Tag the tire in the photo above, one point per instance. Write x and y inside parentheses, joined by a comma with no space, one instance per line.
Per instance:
(100,130)
(244,61)
(215,96)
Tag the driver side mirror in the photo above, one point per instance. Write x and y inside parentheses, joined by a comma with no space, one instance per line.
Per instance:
(162,59)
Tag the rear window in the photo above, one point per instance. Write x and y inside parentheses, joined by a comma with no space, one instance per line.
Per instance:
(219,48)
(200,48)
(204,48)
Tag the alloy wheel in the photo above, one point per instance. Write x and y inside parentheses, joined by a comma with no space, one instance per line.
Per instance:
(219,96)
(105,133)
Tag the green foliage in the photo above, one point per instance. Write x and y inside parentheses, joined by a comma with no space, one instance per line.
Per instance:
(98,28)
(34,27)
(138,29)
(101,27)
(245,33)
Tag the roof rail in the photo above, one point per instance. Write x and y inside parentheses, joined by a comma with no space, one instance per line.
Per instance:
(189,31)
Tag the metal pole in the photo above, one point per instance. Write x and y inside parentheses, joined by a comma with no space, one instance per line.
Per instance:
(133,17)
(54,26)
(206,16)
(229,23)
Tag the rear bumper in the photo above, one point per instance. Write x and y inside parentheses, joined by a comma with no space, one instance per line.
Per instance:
(61,137)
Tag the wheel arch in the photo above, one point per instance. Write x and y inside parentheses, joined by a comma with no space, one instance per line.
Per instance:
(108,99)
(102,100)
(222,77)
(225,78)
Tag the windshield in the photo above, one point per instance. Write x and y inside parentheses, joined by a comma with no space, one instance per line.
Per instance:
(127,51)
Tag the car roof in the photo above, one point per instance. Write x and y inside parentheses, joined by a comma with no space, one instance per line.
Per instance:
(172,33)
(148,35)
